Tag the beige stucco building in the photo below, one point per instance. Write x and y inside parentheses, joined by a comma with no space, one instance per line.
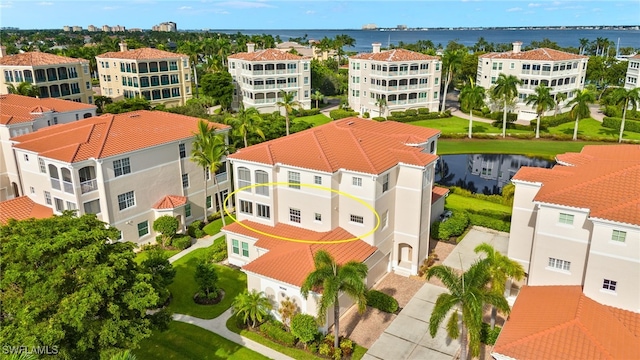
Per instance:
(405,79)
(53,75)
(579,224)
(260,75)
(364,182)
(159,76)
(128,169)
(633,73)
(561,71)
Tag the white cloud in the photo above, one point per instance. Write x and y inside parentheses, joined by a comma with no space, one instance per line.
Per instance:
(596,10)
(185,8)
(110,8)
(244,4)
(6,5)
(309,12)
(45,3)
(514,9)
(535,4)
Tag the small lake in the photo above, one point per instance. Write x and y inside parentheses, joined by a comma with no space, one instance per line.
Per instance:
(482,173)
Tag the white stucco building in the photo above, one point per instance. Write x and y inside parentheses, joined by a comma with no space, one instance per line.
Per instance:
(633,73)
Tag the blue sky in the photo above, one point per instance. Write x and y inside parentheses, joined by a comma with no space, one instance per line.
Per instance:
(315,14)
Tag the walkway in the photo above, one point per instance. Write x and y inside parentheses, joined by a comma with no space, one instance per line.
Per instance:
(200,243)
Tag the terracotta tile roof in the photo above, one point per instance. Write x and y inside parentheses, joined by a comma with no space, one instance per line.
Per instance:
(141,54)
(604,179)
(38,59)
(636,56)
(291,262)
(438,192)
(395,55)
(16,109)
(543,54)
(560,322)
(22,208)
(353,144)
(170,202)
(109,135)
(265,55)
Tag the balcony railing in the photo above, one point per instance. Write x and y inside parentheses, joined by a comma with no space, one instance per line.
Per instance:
(55,183)
(88,186)
(221,177)
(68,187)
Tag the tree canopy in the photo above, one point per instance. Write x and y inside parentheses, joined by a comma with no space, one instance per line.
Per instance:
(219,86)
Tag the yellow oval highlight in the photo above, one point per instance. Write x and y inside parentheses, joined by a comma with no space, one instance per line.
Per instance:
(314,186)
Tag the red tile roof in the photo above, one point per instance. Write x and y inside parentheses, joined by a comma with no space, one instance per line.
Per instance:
(395,55)
(109,135)
(543,54)
(291,262)
(265,55)
(22,208)
(16,109)
(170,202)
(37,59)
(353,144)
(437,193)
(560,322)
(141,54)
(602,178)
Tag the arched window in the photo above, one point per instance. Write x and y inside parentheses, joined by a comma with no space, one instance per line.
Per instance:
(244,178)
(262,178)
(53,172)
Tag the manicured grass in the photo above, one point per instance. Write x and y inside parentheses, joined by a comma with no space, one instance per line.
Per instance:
(547,149)
(184,287)
(459,202)
(214,227)
(142,256)
(456,125)
(316,120)
(592,127)
(185,341)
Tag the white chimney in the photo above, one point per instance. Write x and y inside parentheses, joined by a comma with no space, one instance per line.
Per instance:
(517,46)
(3,51)
(123,46)
(251,47)
(376,47)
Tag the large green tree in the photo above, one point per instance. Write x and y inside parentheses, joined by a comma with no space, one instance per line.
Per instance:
(219,86)
(288,102)
(580,109)
(506,89)
(334,279)
(64,283)
(251,306)
(245,122)
(451,64)
(317,97)
(625,98)
(127,105)
(472,97)
(541,100)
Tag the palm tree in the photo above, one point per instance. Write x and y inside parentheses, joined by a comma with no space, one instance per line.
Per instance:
(472,97)
(626,98)
(24,88)
(500,269)
(382,103)
(560,97)
(333,279)
(583,45)
(208,150)
(580,108)
(469,293)
(542,101)
(192,49)
(506,89)
(254,306)
(288,102)
(245,122)
(125,355)
(451,63)
(317,97)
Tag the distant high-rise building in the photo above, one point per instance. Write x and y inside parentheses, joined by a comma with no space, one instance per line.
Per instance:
(168,26)
(401,27)
(369,27)
(106,28)
(77,28)
(92,28)
(66,28)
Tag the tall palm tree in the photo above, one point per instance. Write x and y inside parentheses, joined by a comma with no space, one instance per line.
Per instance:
(500,269)
(451,63)
(468,292)
(506,88)
(560,97)
(288,102)
(208,150)
(333,279)
(192,49)
(317,97)
(24,88)
(583,45)
(626,98)
(541,100)
(472,97)
(254,306)
(382,103)
(580,108)
(245,122)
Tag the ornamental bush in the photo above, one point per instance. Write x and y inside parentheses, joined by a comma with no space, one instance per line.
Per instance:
(454,226)
(304,327)
(341,114)
(382,301)
(195,229)
(181,242)
(274,331)
(379,118)
(614,123)
(324,349)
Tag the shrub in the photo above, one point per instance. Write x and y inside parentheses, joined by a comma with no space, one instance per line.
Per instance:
(306,112)
(552,121)
(275,331)
(382,301)
(379,118)
(346,346)
(411,112)
(337,354)
(167,226)
(489,222)
(218,251)
(304,327)
(427,116)
(488,336)
(398,114)
(313,348)
(181,242)
(614,123)
(341,114)
(195,229)
(206,277)
(324,349)
(427,263)
(423,111)
(366,115)
(160,320)
(454,226)
(214,216)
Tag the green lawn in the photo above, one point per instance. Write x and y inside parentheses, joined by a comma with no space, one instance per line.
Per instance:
(184,341)
(456,125)
(592,127)
(316,120)
(142,256)
(214,227)
(535,148)
(184,287)
(459,202)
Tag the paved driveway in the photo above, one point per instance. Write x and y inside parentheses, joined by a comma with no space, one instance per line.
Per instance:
(463,256)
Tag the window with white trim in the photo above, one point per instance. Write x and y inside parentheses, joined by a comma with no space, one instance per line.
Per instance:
(43,168)
(121,167)
(47,198)
(559,264)
(356,219)
(183,151)
(356,181)
(143,228)
(32,189)
(619,235)
(244,178)
(246,207)
(385,182)
(187,210)
(245,249)
(71,205)
(317,180)
(59,204)
(295,215)
(318,217)
(609,285)
(126,200)
(185,181)
(262,178)
(294,179)
(384,221)
(235,246)
(565,219)
(263,211)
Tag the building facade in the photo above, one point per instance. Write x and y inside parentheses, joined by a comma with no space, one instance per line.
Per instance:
(168,26)
(579,224)
(128,169)
(54,76)
(562,72)
(633,73)
(395,80)
(159,76)
(260,76)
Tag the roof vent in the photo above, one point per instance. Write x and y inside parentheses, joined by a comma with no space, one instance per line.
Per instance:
(134,115)
(350,123)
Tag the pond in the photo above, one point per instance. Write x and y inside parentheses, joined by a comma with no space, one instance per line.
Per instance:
(482,173)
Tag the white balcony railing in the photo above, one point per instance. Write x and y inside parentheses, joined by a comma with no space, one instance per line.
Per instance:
(88,186)
(55,183)
(68,187)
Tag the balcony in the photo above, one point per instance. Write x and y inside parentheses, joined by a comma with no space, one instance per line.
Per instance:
(55,183)
(68,187)
(221,177)
(88,186)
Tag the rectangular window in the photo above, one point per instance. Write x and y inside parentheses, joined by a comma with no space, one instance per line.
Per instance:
(263,211)
(294,215)
(559,264)
(317,180)
(43,169)
(187,210)
(244,178)
(32,189)
(385,220)
(609,285)
(262,178)
(185,181)
(618,235)
(294,180)
(245,249)
(235,246)
(246,207)
(566,219)
(209,202)
(318,217)
(26,157)
(356,181)
(121,167)
(183,151)
(126,200)
(59,204)
(385,182)
(47,197)
(71,206)
(435,95)
(92,207)
(356,219)
(143,228)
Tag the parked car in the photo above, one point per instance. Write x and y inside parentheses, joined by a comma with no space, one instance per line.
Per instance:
(445,216)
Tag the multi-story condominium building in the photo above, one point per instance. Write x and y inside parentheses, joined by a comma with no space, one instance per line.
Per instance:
(561,71)
(404,79)
(359,189)
(579,224)
(168,26)
(55,76)
(633,73)
(159,76)
(260,75)
(22,115)
(128,169)
(106,28)
(92,28)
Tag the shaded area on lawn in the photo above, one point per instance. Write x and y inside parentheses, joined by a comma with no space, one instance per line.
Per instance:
(315,120)
(546,149)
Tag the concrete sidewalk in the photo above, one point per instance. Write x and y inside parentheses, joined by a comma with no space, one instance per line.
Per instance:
(199,244)
(463,256)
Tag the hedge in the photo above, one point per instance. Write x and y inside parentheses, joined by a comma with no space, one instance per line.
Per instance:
(304,327)
(275,332)
(511,117)
(466,193)
(195,229)
(218,251)
(614,123)
(382,301)
(379,118)
(181,242)
(341,114)
(552,121)
(489,222)
(306,112)
(428,116)
(454,226)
